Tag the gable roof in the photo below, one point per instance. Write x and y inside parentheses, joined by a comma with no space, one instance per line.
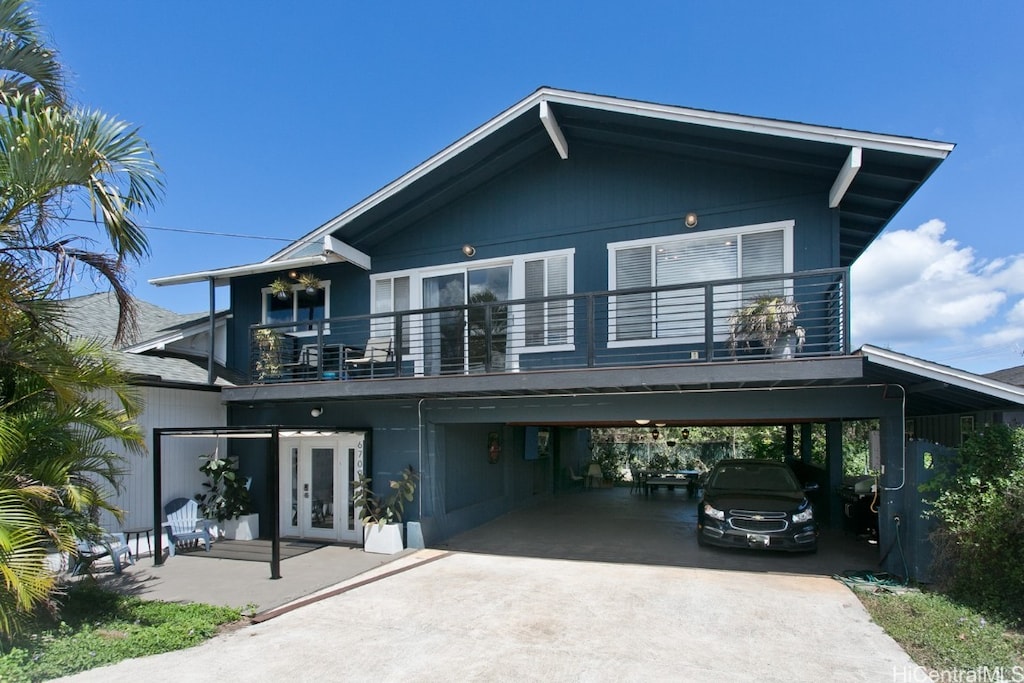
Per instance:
(873,174)
(94,316)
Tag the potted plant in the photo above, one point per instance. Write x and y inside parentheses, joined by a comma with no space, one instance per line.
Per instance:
(227,499)
(310,282)
(767,323)
(382,515)
(268,353)
(281,288)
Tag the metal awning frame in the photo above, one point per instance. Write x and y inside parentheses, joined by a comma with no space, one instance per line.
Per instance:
(272,433)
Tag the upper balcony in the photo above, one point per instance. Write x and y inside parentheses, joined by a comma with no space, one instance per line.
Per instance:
(777,317)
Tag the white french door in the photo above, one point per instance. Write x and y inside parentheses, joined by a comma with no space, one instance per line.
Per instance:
(316,486)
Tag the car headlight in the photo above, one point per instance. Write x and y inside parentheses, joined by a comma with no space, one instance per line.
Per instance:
(713,512)
(804,515)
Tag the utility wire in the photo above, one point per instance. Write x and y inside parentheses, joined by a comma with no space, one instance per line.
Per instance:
(210,233)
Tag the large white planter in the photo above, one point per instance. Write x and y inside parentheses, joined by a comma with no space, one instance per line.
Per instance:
(244,528)
(386,540)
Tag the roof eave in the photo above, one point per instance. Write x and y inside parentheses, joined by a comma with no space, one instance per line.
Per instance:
(944,374)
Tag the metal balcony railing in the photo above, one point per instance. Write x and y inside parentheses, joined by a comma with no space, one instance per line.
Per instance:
(779,316)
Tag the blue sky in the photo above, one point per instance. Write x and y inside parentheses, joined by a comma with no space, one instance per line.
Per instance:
(271,119)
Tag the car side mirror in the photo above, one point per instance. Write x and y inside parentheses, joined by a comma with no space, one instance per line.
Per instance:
(811,487)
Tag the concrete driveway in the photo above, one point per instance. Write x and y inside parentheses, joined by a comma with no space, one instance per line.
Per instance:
(470,616)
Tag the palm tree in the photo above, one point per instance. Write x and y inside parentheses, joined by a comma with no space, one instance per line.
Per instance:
(61,402)
(26,63)
(49,158)
(56,463)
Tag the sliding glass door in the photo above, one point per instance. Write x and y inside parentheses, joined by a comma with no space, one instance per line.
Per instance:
(469,334)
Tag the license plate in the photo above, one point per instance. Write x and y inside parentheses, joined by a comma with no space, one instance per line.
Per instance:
(758,539)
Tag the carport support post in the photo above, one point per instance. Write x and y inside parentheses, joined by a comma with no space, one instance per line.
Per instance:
(834,465)
(158,541)
(274,477)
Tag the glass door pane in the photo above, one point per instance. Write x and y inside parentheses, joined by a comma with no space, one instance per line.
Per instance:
(444,344)
(488,318)
(321,488)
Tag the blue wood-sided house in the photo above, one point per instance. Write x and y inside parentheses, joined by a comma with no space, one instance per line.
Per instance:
(576,261)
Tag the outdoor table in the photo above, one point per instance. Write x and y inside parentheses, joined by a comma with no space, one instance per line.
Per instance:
(137,532)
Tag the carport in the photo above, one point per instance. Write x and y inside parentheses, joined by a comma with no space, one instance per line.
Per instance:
(921,407)
(616,525)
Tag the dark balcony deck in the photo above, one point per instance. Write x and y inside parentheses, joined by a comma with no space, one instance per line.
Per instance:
(607,333)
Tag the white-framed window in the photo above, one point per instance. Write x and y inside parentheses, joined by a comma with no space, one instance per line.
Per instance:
(678,315)
(547,323)
(297,306)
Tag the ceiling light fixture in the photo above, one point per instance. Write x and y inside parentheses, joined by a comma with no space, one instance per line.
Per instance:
(641,421)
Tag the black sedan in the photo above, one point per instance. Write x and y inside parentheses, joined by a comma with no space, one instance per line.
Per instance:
(756,504)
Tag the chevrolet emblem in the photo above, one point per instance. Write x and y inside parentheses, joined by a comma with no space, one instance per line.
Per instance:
(758,518)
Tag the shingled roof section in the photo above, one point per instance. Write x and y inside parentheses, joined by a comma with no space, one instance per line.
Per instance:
(94,316)
(1013,375)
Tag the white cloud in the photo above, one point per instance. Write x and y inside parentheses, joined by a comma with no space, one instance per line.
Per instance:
(913,287)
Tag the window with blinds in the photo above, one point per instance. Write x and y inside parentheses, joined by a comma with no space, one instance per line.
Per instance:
(678,314)
(391,295)
(546,322)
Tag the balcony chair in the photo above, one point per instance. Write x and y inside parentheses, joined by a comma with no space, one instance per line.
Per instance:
(112,545)
(185,526)
(376,352)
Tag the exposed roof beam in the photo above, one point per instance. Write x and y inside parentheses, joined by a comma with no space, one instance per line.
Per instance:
(349,253)
(547,117)
(845,177)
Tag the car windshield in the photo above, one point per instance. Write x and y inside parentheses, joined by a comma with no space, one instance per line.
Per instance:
(744,477)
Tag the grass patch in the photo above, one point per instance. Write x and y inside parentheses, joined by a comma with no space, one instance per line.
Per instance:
(942,635)
(97,628)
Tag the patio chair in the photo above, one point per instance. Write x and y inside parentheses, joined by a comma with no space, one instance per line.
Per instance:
(376,352)
(574,478)
(637,479)
(185,526)
(112,545)
(594,473)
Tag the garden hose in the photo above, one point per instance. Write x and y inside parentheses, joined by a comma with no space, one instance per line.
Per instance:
(874,582)
(877,582)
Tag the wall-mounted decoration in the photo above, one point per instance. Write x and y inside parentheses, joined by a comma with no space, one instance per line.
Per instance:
(538,443)
(544,442)
(493,447)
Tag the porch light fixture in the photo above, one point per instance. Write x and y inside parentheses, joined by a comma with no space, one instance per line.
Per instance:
(469,250)
(641,421)
(690,220)
(317,412)
(655,434)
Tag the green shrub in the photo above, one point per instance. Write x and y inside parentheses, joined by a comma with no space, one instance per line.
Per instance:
(979,507)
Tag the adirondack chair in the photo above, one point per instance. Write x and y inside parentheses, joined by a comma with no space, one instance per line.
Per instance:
(185,526)
(110,545)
